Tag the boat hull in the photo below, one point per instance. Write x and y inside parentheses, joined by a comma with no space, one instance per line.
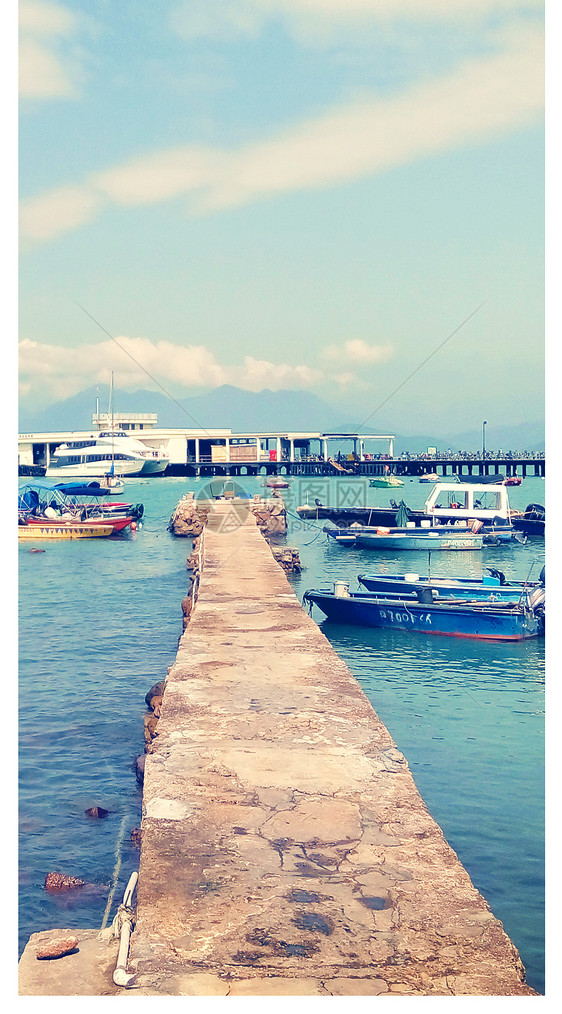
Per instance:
(116,522)
(95,469)
(480,622)
(153,466)
(63,530)
(382,584)
(439,543)
(408,539)
(373,516)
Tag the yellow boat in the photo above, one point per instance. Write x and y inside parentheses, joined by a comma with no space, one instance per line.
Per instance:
(64,530)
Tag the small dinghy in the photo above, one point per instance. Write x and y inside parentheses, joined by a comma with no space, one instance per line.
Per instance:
(492,586)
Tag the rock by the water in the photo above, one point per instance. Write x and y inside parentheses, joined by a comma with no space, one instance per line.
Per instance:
(155,691)
(150,727)
(287,558)
(57,948)
(136,837)
(96,811)
(190,515)
(62,882)
(156,705)
(139,768)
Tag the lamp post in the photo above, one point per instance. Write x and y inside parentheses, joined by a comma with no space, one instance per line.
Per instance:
(484,424)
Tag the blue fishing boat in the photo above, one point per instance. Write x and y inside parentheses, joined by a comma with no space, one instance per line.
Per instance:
(452,618)
(492,586)
(427,539)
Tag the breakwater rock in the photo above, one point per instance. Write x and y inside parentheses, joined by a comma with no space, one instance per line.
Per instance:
(288,558)
(55,882)
(190,516)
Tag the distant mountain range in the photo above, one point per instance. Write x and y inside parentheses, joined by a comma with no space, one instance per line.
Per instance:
(241,411)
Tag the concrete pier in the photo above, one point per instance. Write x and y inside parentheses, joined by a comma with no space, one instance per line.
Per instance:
(285,847)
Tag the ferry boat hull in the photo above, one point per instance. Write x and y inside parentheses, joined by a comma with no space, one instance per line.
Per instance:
(94,469)
(153,466)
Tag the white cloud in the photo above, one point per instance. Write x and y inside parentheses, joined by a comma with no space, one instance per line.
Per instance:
(57,211)
(360,352)
(41,74)
(59,372)
(163,175)
(45,69)
(71,369)
(317,21)
(482,98)
(46,19)
(257,374)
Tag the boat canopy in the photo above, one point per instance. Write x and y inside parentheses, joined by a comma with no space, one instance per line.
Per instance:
(468,500)
(40,493)
(92,488)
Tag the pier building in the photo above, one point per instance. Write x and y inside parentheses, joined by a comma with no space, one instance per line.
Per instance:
(208,451)
(222,452)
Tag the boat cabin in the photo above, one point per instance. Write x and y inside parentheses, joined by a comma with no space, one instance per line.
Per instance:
(468,500)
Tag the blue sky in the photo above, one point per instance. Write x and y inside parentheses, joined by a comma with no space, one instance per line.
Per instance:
(308,194)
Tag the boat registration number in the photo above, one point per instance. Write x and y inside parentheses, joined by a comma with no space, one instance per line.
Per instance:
(397,617)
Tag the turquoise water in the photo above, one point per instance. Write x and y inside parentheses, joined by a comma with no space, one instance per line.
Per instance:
(100,622)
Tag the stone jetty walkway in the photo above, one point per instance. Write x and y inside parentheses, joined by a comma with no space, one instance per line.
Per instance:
(285,847)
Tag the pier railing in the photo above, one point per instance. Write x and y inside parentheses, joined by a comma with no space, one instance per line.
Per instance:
(458,465)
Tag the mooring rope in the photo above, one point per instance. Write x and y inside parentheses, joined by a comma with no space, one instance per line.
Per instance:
(320,532)
(115,871)
(302,521)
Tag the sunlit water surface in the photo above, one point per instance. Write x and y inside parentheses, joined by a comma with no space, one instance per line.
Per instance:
(99,625)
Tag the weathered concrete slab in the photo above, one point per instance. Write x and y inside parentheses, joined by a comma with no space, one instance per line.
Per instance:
(286,850)
(87,971)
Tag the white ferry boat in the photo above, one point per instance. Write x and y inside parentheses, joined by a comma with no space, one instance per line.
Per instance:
(154,461)
(110,452)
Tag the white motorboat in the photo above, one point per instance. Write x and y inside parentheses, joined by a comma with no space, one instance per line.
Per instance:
(451,502)
(155,461)
(111,452)
(92,457)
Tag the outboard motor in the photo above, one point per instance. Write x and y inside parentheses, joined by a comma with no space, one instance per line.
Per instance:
(536,602)
(535,512)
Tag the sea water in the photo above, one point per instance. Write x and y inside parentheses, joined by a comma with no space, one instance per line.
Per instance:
(99,624)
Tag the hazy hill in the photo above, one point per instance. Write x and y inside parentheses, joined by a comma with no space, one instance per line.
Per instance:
(224,407)
(245,411)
